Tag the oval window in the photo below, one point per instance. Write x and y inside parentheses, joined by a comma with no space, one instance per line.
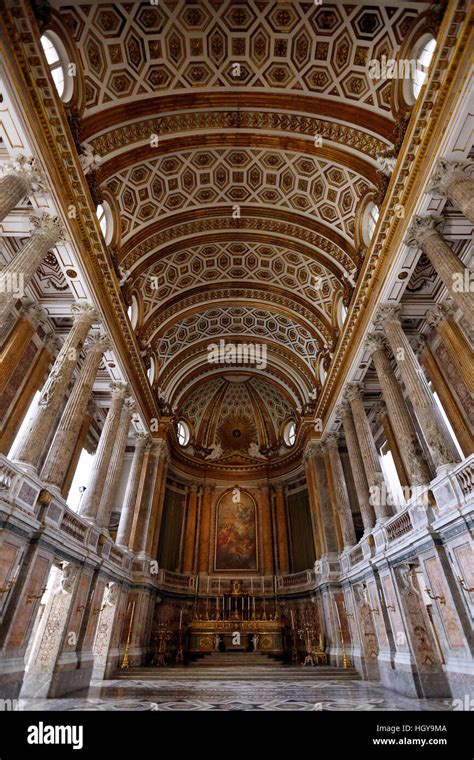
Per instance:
(104,215)
(289,434)
(182,431)
(423,59)
(371,216)
(57,60)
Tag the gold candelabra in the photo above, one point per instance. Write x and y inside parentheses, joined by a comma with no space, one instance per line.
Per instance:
(125,662)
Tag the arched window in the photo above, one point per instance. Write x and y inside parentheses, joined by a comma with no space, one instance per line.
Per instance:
(289,433)
(426,48)
(57,59)
(106,224)
(182,432)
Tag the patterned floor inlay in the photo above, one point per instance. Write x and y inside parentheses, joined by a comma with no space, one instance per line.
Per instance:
(204,693)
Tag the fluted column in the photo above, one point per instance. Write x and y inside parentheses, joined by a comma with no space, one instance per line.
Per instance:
(450,178)
(409,446)
(425,233)
(309,466)
(328,522)
(267,535)
(20,178)
(112,479)
(146,506)
(357,467)
(32,444)
(31,316)
(441,318)
(128,509)
(190,533)
(62,448)
(91,501)
(17,274)
(343,505)
(370,457)
(434,428)
(282,531)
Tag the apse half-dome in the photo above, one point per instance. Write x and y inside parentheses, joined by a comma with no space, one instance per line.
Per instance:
(237,417)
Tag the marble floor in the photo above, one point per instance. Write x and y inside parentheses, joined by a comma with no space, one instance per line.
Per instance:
(282,690)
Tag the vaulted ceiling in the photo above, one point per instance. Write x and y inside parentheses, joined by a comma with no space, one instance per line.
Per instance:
(237,141)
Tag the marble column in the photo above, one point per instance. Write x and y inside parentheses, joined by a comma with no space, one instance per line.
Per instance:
(370,457)
(343,505)
(17,274)
(424,232)
(128,509)
(33,380)
(62,448)
(205,528)
(148,492)
(112,479)
(267,534)
(20,178)
(91,501)
(308,460)
(409,446)
(190,534)
(158,504)
(31,446)
(357,467)
(328,524)
(450,178)
(381,413)
(456,414)
(441,318)
(282,532)
(31,316)
(434,428)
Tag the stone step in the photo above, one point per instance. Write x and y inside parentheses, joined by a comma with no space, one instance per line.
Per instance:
(270,672)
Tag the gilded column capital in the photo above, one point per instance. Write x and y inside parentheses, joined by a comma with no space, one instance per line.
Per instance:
(26,168)
(421,228)
(387,312)
(438,314)
(374,341)
(310,451)
(448,172)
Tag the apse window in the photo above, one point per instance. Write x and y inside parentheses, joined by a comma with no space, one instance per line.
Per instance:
(183,433)
(423,60)
(151,371)
(289,434)
(371,218)
(104,216)
(57,60)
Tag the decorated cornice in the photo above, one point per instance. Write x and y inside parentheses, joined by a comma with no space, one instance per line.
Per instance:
(24,62)
(449,69)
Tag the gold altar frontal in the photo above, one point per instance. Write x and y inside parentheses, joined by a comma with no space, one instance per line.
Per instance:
(211,635)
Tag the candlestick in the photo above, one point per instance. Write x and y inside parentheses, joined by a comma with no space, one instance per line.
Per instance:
(180,619)
(292,619)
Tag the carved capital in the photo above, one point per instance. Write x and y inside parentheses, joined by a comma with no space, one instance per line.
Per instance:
(387,312)
(421,228)
(84,312)
(438,314)
(141,439)
(379,410)
(97,342)
(118,389)
(26,168)
(419,343)
(343,408)
(374,342)
(331,441)
(33,312)
(447,173)
(49,225)
(53,344)
(354,391)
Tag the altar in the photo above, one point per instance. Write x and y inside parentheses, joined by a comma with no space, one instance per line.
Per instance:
(236,635)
